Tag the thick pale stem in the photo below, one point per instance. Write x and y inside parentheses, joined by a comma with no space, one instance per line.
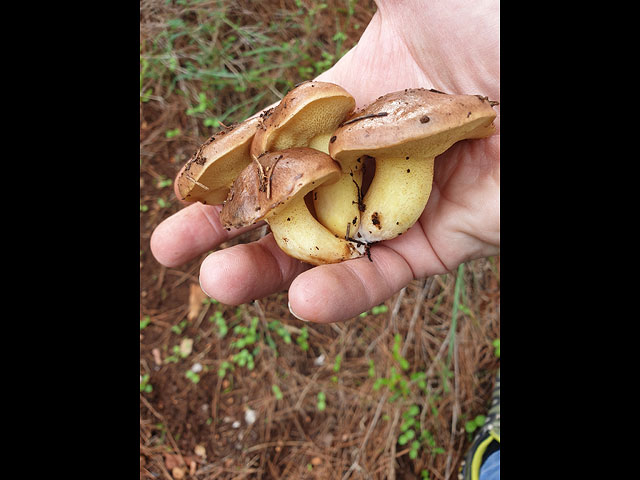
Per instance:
(396,197)
(336,205)
(303,237)
(320,142)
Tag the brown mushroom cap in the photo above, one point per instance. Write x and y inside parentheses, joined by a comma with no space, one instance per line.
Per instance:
(404,131)
(307,111)
(291,173)
(209,173)
(412,122)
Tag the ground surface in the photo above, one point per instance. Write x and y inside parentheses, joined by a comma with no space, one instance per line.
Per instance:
(250,392)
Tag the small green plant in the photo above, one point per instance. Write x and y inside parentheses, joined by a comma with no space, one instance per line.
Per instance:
(244,358)
(224,368)
(420,380)
(396,383)
(193,376)
(144,322)
(496,347)
(180,351)
(409,432)
(397,347)
(408,429)
(336,368)
(177,329)
(202,106)
(377,310)
(372,369)
(277,392)
(172,133)
(249,335)
(322,402)
(281,330)
(219,322)
(145,386)
(472,425)
(336,363)
(426,437)
(164,182)
(302,339)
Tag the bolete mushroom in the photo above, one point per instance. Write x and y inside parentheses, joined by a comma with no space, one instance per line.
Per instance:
(307,116)
(404,131)
(209,173)
(290,174)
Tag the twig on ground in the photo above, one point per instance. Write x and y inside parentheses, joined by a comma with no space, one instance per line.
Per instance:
(373,423)
(417,307)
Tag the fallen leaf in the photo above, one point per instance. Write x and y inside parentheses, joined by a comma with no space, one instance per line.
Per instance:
(177,473)
(200,451)
(186,346)
(196,299)
(171,460)
(157,358)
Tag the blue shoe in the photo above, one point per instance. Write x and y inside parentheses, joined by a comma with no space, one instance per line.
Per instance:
(486,440)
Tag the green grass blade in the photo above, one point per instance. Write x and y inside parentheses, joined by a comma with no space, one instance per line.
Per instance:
(454,311)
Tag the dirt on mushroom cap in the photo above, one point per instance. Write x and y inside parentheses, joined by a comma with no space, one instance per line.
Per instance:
(404,125)
(209,173)
(291,172)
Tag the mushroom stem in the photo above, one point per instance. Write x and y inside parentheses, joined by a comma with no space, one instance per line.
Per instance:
(396,197)
(336,205)
(303,237)
(320,142)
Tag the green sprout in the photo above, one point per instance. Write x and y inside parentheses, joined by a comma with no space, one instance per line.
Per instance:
(281,330)
(302,339)
(472,425)
(496,347)
(144,322)
(372,369)
(277,392)
(224,367)
(145,386)
(397,343)
(177,329)
(220,322)
(193,376)
(322,401)
(336,363)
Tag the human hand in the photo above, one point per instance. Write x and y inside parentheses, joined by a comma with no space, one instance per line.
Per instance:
(452,46)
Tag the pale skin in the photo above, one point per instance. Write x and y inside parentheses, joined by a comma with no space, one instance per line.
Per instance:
(452,46)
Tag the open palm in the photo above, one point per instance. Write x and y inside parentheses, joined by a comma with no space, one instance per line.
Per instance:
(447,45)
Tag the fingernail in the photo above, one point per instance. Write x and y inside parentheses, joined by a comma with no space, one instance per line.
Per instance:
(294,314)
(202,288)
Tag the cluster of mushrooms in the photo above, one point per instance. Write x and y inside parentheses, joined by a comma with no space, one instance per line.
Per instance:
(329,180)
